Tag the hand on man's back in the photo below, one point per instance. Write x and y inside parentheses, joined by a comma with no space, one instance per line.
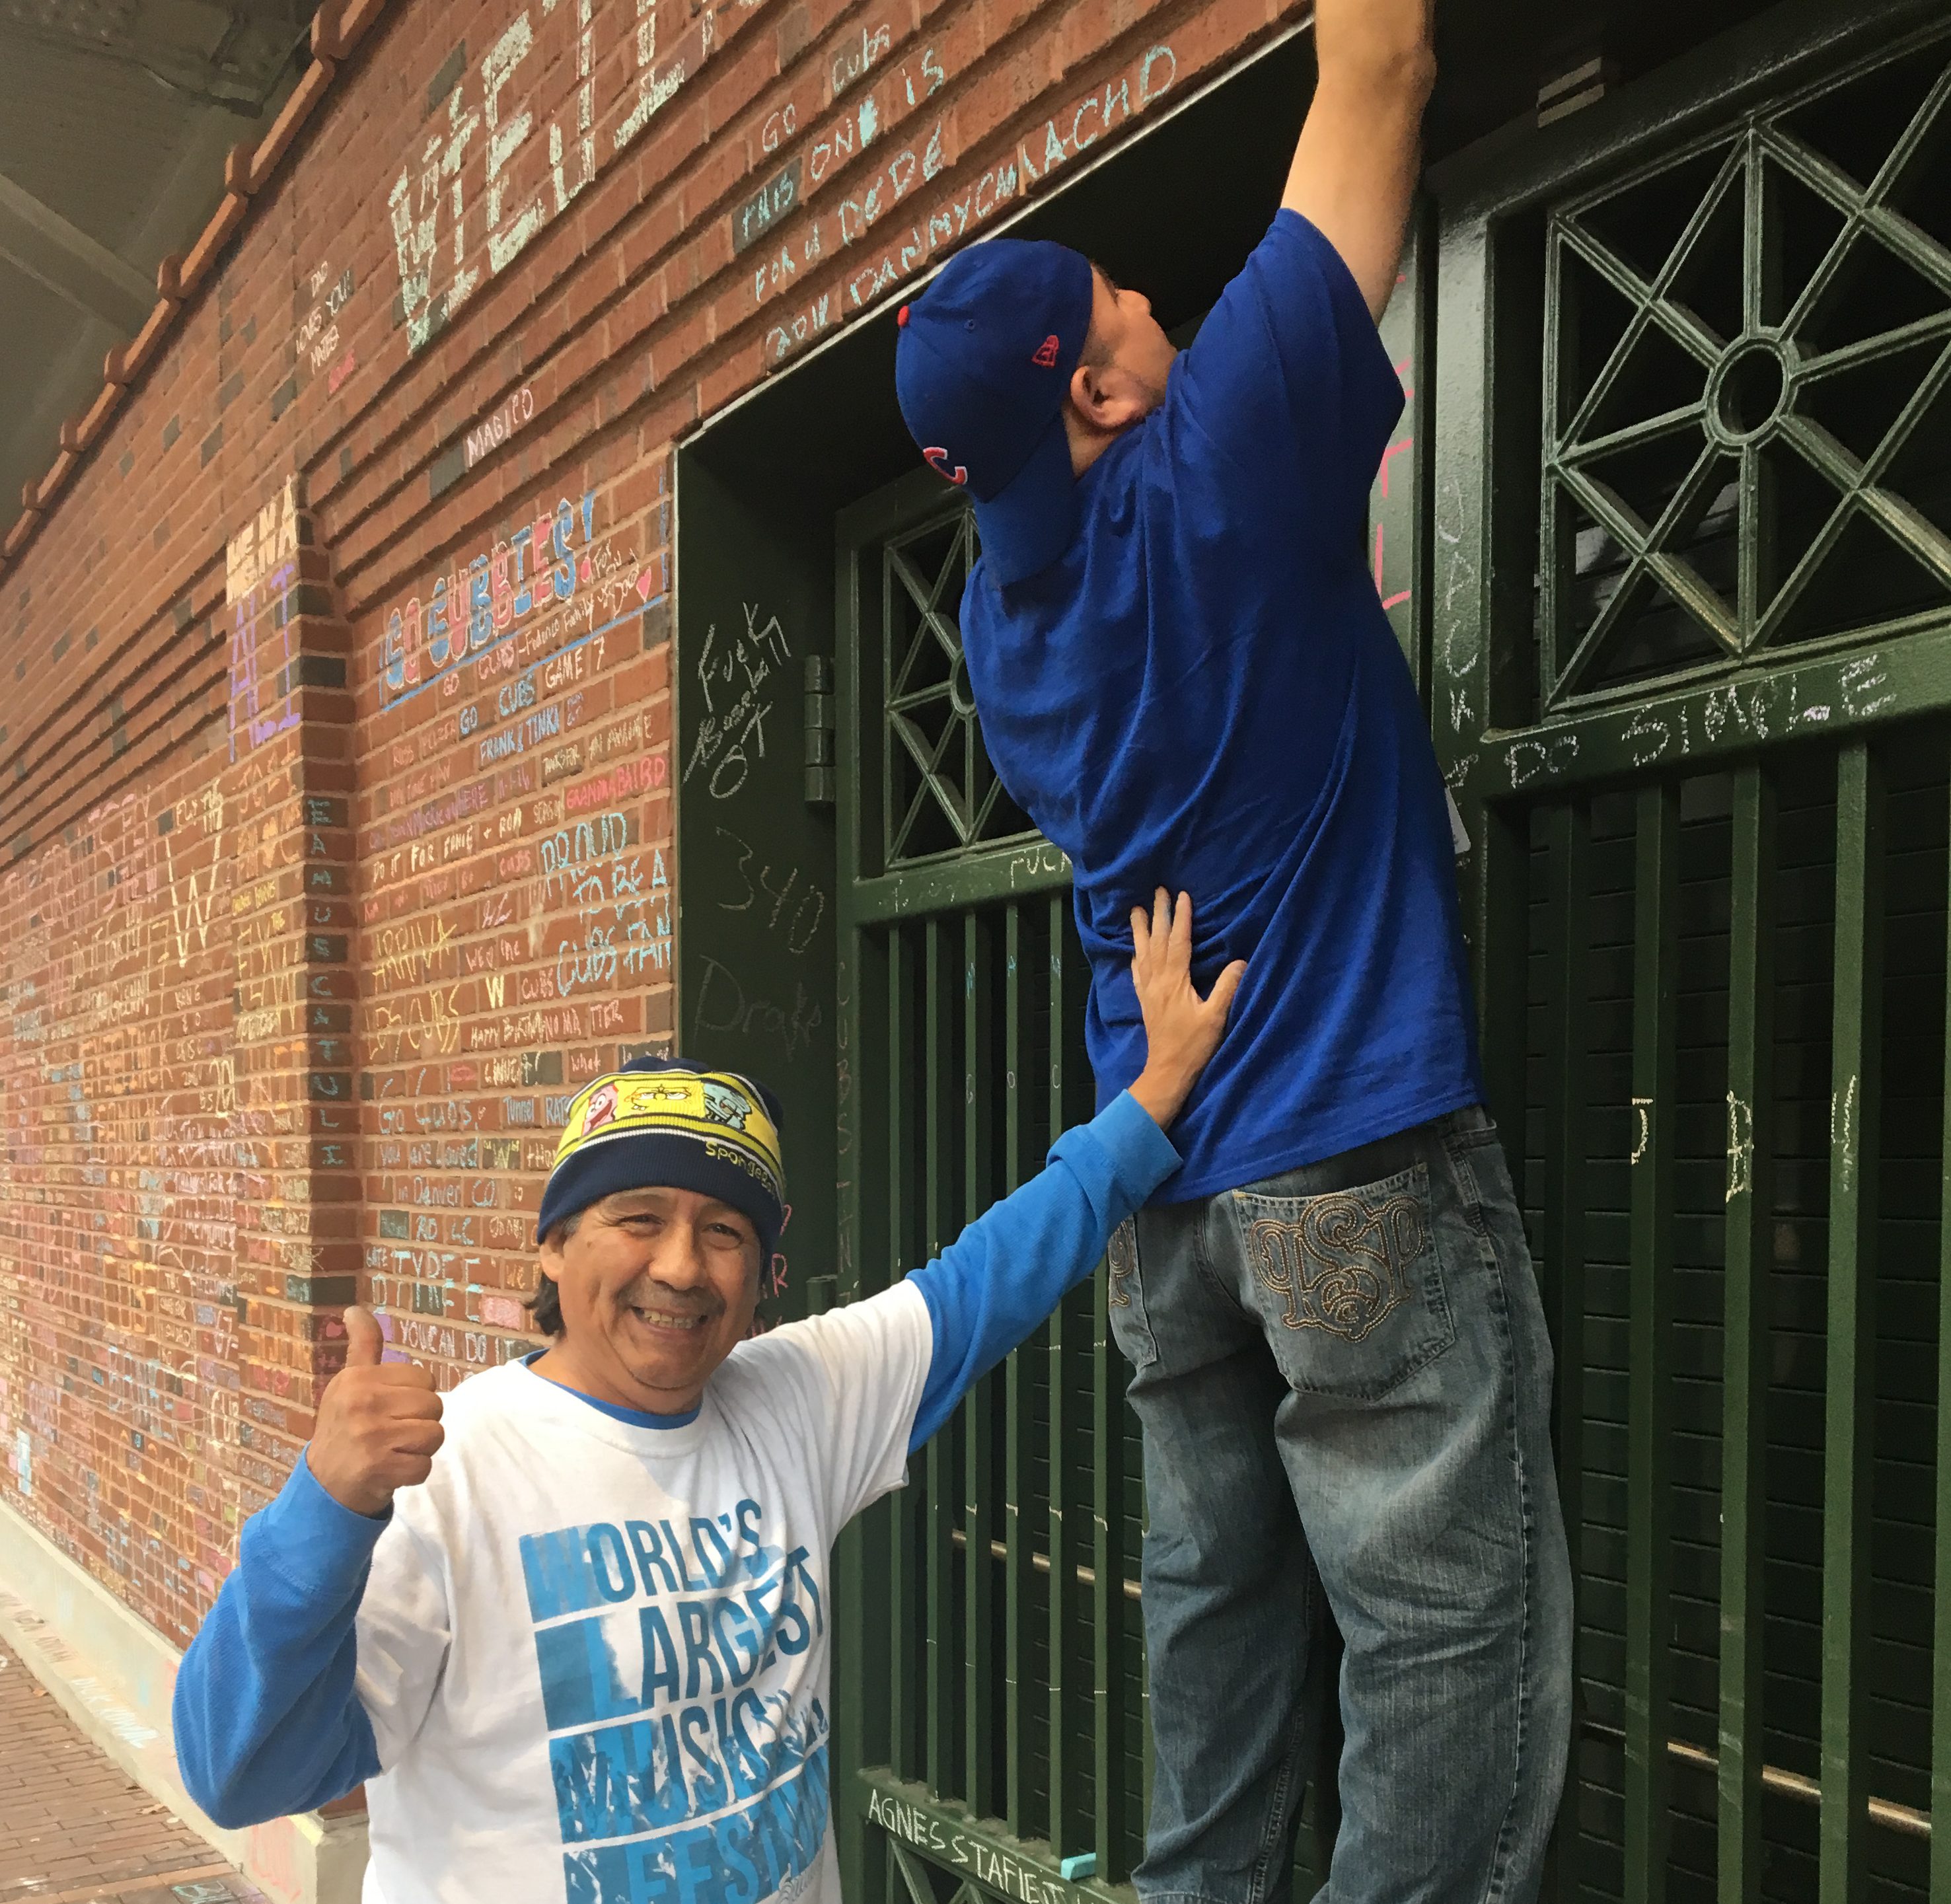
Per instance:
(1182,1030)
(379,1423)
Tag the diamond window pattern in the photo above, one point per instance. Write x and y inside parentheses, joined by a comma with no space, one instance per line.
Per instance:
(941,796)
(1747,438)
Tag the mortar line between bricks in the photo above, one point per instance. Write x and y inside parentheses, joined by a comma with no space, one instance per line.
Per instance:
(106,1893)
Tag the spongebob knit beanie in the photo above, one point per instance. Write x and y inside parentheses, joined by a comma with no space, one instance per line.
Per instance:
(660,1123)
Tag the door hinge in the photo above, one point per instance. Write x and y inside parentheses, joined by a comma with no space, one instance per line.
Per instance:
(819,786)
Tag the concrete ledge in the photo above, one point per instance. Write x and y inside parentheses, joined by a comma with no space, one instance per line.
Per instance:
(114,1676)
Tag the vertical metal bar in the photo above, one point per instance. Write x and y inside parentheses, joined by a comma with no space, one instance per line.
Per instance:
(1941,1725)
(1855,1083)
(1750,554)
(1744,1329)
(1109,1563)
(1062,1841)
(1761,276)
(1457,370)
(1107,1591)
(904,1682)
(1562,1236)
(1559,350)
(1648,1492)
(940,959)
(865,1721)
(1016,1572)
(1503,882)
(863,1566)
(978,1657)
(1568,955)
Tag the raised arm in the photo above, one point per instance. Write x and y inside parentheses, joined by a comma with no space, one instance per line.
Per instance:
(1355,169)
(1011,1267)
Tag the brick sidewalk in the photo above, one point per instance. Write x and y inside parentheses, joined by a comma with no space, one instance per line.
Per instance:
(74,1830)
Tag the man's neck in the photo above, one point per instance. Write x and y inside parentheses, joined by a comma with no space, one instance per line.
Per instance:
(1087,444)
(560,1364)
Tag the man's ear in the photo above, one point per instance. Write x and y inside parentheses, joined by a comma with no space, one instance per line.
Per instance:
(1085,397)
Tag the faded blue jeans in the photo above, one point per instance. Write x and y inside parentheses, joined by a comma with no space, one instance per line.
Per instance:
(1344,1382)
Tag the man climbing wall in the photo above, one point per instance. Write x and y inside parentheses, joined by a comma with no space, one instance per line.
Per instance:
(1185,677)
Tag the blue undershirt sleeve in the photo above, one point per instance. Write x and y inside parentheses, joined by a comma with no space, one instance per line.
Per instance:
(1011,1267)
(266,1717)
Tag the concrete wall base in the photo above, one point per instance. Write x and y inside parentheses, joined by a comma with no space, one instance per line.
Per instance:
(114,1676)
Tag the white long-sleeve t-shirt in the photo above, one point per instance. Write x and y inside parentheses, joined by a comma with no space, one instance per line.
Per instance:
(588,1659)
(664,1592)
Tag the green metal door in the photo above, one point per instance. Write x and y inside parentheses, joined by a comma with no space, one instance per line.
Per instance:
(1691,663)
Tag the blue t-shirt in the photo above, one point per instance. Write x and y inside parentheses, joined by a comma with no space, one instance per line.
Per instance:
(1204,693)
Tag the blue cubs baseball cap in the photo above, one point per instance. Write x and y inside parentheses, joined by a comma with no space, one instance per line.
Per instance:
(982,364)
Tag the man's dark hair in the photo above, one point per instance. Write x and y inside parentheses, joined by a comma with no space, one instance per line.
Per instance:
(1093,353)
(545,1305)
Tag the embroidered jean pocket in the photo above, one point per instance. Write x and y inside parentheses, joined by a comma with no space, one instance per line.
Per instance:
(1347,1284)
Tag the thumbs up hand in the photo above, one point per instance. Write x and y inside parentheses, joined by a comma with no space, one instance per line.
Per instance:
(379,1423)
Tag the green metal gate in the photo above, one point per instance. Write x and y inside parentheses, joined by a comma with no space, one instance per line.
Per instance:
(998,1697)
(1682,607)
(1003,1679)
(1690,681)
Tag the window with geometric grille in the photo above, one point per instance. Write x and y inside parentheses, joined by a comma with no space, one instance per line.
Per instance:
(941,794)
(1747,407)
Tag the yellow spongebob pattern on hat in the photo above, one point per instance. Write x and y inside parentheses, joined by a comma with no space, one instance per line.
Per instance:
(719,1109)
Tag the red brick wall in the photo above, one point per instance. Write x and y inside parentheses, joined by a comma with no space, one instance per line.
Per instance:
(320,900)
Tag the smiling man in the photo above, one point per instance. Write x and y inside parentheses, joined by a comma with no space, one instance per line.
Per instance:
(572,1627)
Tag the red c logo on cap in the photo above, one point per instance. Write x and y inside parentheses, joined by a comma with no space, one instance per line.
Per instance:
(1045,358)
(938,460)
